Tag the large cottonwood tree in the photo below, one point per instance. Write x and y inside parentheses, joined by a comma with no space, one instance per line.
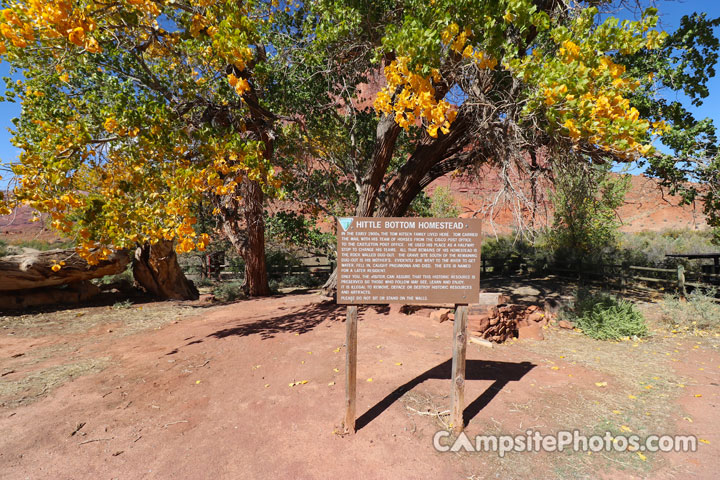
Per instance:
(132,110)
(464,83)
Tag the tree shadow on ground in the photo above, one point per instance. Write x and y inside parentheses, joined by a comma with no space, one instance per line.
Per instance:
(300,321)
(500,372)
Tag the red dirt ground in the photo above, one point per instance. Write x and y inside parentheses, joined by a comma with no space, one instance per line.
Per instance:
(208,396)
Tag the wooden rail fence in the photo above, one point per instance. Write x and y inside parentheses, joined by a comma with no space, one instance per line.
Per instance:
(622,276)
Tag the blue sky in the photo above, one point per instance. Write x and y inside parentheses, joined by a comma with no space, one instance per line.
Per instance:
(671,12)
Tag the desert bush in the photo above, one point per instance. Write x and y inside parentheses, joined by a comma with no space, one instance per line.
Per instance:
(229,291)
(700,311)
(646,249)
(585,201)
(507,253)
(3,248)
(440,204)
(649,248)
(605,317)
(299,232)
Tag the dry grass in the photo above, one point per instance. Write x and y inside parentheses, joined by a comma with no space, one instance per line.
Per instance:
(40,369)
(640,396)
(36,385)
(128,318)
(424,404)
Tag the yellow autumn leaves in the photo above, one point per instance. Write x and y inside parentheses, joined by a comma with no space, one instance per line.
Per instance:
(412,97)
(586,94)
(583,91)
(51,20)
(415,100)
(240,85)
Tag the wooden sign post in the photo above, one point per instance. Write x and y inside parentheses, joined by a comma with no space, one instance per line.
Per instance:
(412,261)
(350,368)
(457,393)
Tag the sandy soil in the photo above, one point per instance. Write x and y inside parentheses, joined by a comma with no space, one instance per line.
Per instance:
(196,391)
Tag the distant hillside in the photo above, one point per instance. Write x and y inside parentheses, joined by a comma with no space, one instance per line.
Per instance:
(648,207)
(18,227)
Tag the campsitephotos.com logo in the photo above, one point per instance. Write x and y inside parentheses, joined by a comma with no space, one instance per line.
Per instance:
(534,441)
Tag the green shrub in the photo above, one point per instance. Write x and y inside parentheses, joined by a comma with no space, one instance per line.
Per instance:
(507,253)
(122,305)
(304,279)
(228,292)
(124,277)
(585,201)
(3,248)
(700,312)
(440,204)
(646,249)
(605,317)
(203,282)
(297,231)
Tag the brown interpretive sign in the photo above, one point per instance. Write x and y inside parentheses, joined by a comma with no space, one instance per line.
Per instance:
(408,260)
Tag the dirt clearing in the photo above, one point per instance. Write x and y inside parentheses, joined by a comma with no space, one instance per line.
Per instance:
(255,389)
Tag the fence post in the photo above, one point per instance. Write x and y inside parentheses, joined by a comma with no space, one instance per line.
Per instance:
(681,281)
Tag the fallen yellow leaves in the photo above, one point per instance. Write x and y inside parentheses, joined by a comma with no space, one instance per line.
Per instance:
(601,384)
(302,382)
(706,442)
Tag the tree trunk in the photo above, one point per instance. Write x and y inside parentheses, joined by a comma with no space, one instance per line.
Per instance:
(256,280)
(34,270)
(156,269)
(70,294)
(243,223)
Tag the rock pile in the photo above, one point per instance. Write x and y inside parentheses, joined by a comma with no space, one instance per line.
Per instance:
(501,322)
